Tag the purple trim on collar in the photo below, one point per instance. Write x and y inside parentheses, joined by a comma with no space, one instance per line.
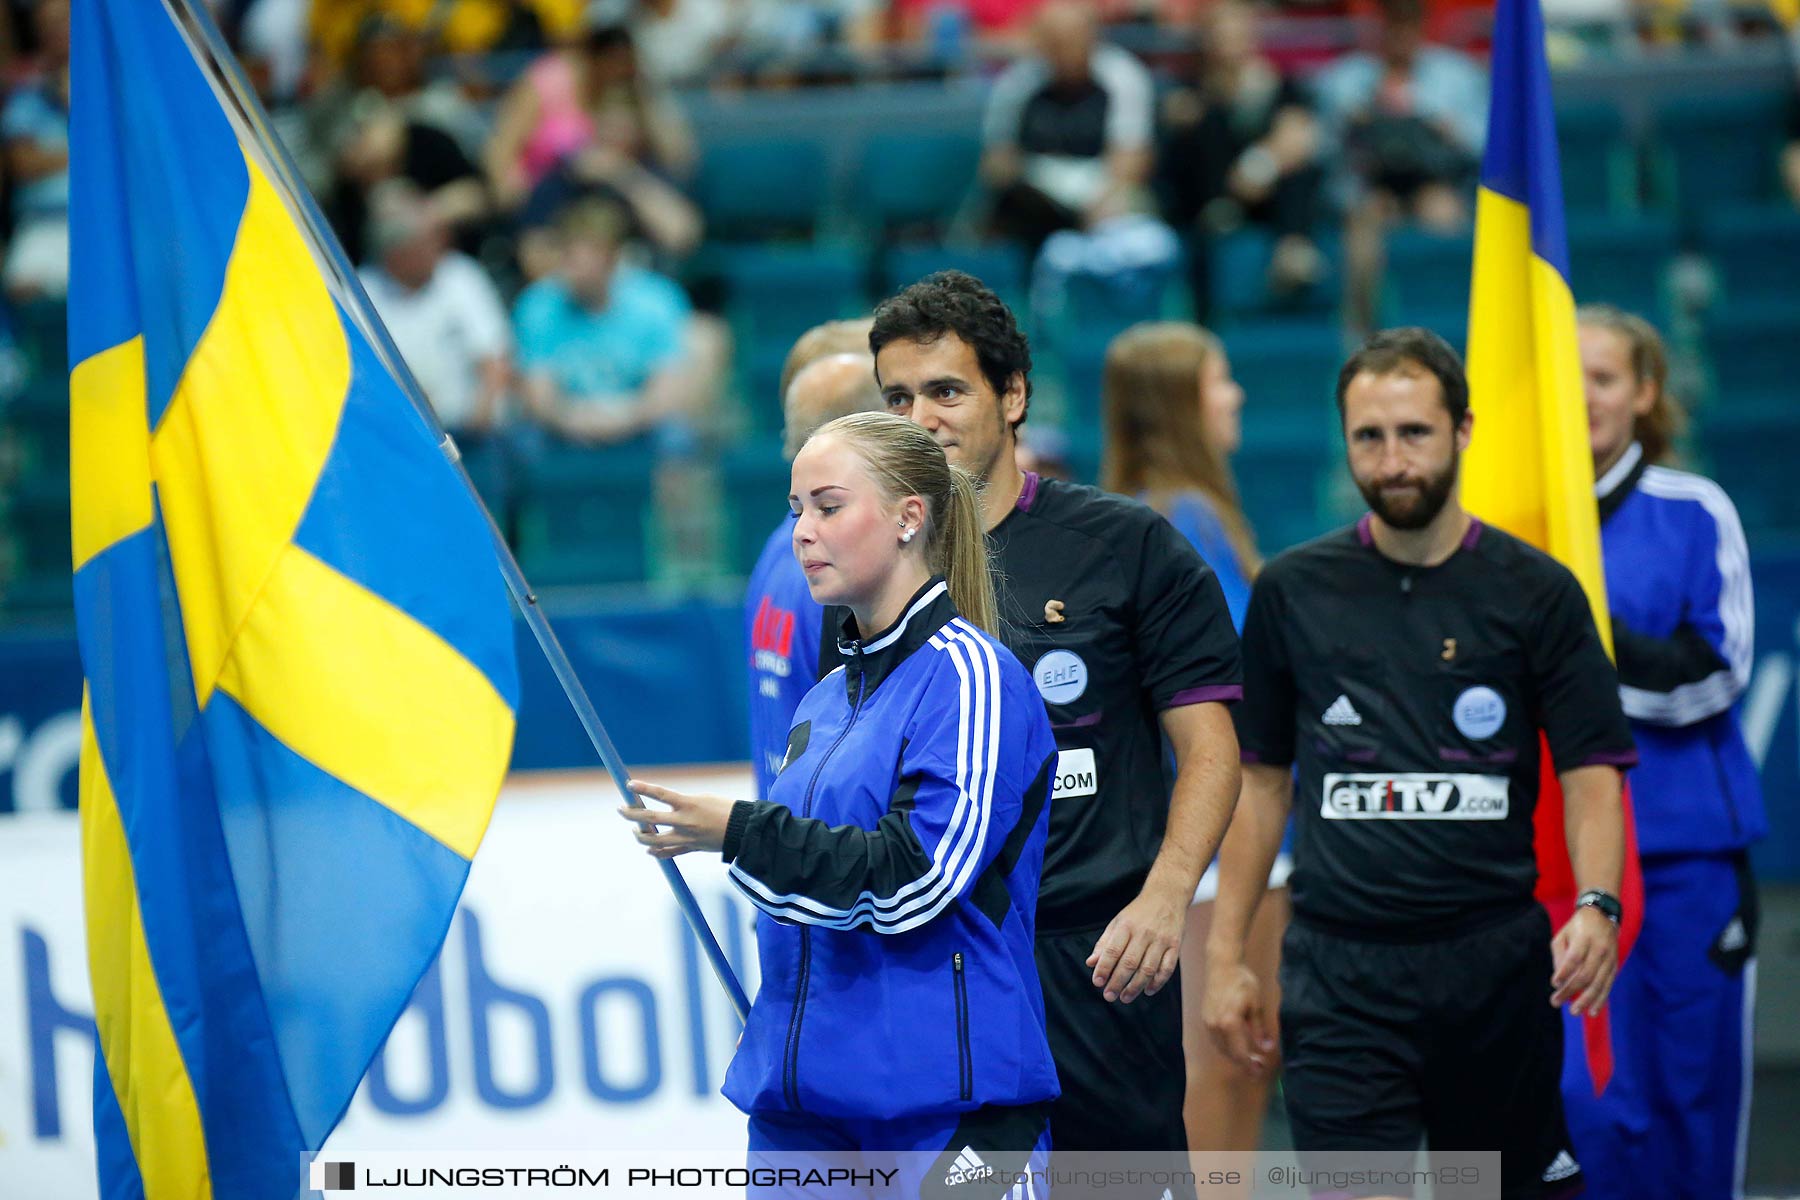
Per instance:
(1028,493)
(1365,529)
(1223,693)
(1622,759)
(1473,535)
(1081,722)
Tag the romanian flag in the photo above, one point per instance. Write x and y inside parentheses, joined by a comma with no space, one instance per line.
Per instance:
(297,644)
(1529,469)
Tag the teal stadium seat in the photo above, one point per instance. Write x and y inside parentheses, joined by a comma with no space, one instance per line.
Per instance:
(1240,278)
(1002,267)
(1599,162)
(1622,260)
(775,293)
(1281,483)
(757,188)
(1754,350)
(1750,446)
(1288,372)
(915,179)
(585,515)
(755,478)
(41,582)
(1427,276)
(1719,150)
(1756,251)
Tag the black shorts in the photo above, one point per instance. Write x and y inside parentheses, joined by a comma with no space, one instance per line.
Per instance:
(1121,1068)
(1453,1042)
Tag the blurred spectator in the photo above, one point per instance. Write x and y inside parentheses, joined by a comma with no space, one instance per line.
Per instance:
(391,60)
(584,119)
(378,143)
(678,41)
(610,351)
(1067,131)
(444,313)
(1241,146)
(459,26)
(1408,120)
(1790,153)
(35,127)
(943,22)
(822,341)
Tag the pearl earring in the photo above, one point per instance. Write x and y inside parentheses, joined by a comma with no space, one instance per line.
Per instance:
(907,536)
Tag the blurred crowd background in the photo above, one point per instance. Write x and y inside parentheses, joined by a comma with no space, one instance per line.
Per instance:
(596,228)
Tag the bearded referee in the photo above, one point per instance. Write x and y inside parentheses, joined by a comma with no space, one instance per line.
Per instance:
(1407,666)
(1128,638)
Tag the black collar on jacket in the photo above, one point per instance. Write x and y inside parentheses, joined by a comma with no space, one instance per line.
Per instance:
(1613,487)
(868,661)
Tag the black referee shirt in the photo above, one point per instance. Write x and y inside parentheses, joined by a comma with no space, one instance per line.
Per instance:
(1412,699)
(1117,618)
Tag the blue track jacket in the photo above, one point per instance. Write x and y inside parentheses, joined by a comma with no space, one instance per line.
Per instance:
(896,865)
(1678,581)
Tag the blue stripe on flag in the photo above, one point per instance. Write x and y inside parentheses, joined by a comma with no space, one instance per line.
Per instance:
(313,859)
(390,513)
(171,172)
(186,894)
(1520,161)
(117,1167)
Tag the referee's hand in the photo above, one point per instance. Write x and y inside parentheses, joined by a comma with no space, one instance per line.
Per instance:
(1586,956)
(1138,951)
(1242,1023)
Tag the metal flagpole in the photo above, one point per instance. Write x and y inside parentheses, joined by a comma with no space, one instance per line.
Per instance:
(212,52)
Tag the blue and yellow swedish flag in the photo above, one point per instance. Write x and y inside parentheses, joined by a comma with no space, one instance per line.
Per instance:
(298,648)
(1529,469)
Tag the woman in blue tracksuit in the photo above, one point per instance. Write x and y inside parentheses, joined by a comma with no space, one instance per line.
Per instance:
(896,860)
(1673,1120)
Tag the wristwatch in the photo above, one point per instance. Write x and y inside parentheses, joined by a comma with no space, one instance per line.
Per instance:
(1606,902)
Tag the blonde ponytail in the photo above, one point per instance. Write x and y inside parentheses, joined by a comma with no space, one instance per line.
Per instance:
(905,461)
(963,545)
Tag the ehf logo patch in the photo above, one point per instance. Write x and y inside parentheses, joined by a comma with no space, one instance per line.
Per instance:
(1061,676)
(1479,713)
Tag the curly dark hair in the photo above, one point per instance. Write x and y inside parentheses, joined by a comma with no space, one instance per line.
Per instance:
(1391,349)
(956,302)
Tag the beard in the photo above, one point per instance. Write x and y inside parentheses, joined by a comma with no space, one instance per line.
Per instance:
(1417,509)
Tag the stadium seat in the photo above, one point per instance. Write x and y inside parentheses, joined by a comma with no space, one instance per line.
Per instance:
(755,477)
(1599,163)
(1753,350)
(761,187)
(1288,371)
(585,515)
(775,293)
(916,178)
(1756,251)
(1427,276)
(41,582)
(1750,446)
(1622,260)
(1281,484)
(999,265)
(1718,150)
(1083,363)
(1239,278)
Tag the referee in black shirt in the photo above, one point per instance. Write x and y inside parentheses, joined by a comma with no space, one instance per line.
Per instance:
(1407,666)
(1127,636)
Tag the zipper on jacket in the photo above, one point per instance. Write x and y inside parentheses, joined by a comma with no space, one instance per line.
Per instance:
(965,1064)
(790,1067)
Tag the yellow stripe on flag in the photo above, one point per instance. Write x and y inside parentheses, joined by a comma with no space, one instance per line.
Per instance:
(365,692)
(240,449)
(109,449)
(1532,474)
(142,1057)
